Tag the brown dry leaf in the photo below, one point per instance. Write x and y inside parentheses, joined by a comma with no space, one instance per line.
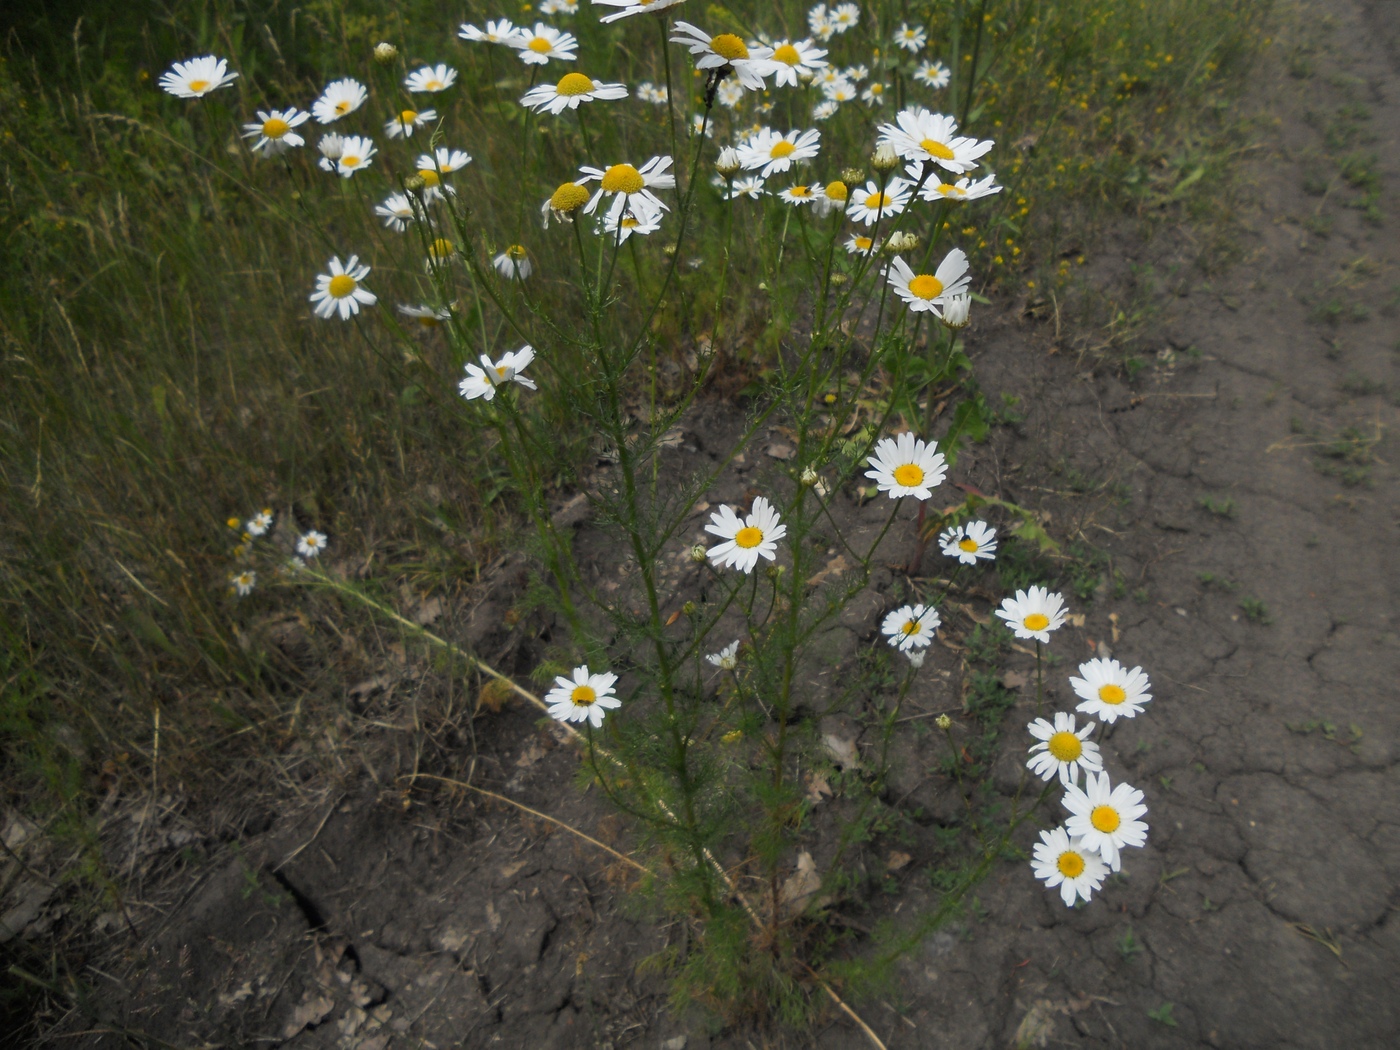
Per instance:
(508,870)
(429,611)
(1113,626)
(1014,680)
(817,788)
(842,751)
(897,860)
(798,888)
(532,754)
(780,450)
(1075,619)
(311,1011)
(493,696)
(835,567)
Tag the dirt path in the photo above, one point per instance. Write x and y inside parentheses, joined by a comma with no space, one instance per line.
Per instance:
(1254,526)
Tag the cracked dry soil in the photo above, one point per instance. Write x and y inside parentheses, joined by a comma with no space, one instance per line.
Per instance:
(1259,590)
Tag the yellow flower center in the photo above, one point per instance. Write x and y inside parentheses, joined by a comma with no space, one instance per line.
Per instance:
(909,475)
(630,223)
(926,286)
(342,107)
(342,284)
(864,243)
(729,46)
(1112,694)
(440,248)
(622,178)
(1071,865)
(540,46)
(911,627)
(837,190)
(875,201)
(571,84)
(800,191)
(583,695)
(275,128)
(968,544)
(199,85)
(1037,622)
(949,190)
(429,177)
(349,160)
(408,116)
(877,89)
(568,197)
(937,149)
(501,371)
(1105,819)
(516,251)
(1065,746)
(429,321)
(748,537)
(787,54)
(781,148)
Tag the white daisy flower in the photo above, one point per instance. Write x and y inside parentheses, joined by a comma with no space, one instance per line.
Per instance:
(933,74)
(799,194)
(514,263)
(825,109)
(855,74)
(427,316)
(701,125)
(819,22)
(655,94)
(794,59)
(341,97)
(441,252)
(196,77)
(962,190)
(407,121)
(311,544)
(918,134)
(911,627)
(559,7)
(572,89)
(750,186)
(330,146)
(633,7)
(340,290)
(730,93)
(1066,862)
(563,202)
(869,203)
(640,220)
(396,211)
(911,38)
(259,523)
(725,49)
(1062,749)
(355,153)
(957,310)
(858,244)
(433,166)
(1106,820)
(629,184)
(243,582)
(584,698)
(431,79)
(501,31)
(1110,691)
(1034,613)
(774,152)
(874,93)
(727,659)
(481,381)
(747,539)
(844,17)
(907,466)
(537,46)
(930,291)
(969,542)
(840,91)
(832,197)
(273,131)
(916,656)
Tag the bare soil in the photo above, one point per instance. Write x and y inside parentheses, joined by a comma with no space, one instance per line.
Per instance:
(1236,486)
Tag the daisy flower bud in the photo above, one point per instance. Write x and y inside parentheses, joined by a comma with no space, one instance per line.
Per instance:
(956,311)
(916,657)
(688,608)
(385,52)
(809,476)
(884,160)
(414,183)
(851,175)
(728,162)
(699,553)
(902,242)
(943,722)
